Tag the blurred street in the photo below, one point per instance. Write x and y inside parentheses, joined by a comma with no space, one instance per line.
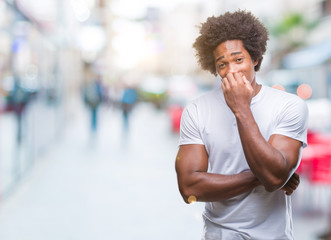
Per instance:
(115,186)
(120,186)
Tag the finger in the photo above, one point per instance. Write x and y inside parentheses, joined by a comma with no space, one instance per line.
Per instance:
(231,79)
(222,86)
(245,80)
(225,83)
(288,193)
(247,83)
(239,77)
(293,181)
(296,177)
(291,185)
(287,190)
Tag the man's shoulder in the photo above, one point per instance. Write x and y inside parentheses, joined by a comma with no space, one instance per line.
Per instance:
(208,97)
(283,100)
(280,95)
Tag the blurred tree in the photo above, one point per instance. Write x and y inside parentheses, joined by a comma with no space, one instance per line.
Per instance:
(290,33)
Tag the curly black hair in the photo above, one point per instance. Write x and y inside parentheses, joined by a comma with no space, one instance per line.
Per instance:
(239,25)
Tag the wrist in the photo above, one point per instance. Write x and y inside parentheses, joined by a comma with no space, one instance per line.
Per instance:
(252,179)
(243,113)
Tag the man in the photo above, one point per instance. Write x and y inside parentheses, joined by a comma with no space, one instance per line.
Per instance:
(241,143)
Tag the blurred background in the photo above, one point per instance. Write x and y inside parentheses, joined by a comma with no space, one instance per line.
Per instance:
(92,93)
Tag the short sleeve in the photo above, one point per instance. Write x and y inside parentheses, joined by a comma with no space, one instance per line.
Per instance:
(293,120)
(189,127)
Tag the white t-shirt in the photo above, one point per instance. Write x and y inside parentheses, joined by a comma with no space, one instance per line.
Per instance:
(209,121)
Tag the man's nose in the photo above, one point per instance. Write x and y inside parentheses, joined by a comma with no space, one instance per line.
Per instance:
(232,68)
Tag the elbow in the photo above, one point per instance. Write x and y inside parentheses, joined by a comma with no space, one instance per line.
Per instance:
(190,187)
(271,187)
(186,193)
(274,180)
(274,184)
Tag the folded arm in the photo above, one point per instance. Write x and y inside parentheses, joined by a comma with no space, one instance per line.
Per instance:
(193,179)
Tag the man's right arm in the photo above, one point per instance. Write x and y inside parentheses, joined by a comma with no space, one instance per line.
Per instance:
(193,179)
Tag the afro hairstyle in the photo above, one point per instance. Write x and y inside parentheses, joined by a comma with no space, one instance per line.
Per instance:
(239,25)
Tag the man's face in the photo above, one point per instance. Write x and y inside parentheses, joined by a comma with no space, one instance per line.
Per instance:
(231,57)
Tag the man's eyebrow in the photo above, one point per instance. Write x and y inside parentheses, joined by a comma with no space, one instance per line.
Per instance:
(219,58)
(235,53)
(232,54)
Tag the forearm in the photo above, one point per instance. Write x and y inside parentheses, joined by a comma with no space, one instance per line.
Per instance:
(266,162)
(209,187)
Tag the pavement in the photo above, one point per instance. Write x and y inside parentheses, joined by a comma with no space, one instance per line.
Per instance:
(116,184)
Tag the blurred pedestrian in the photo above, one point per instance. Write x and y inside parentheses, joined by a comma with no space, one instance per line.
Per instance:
(18,99)
(93,97)
(240,143)
(129,99)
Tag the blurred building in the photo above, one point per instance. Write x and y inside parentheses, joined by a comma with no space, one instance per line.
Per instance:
(42,56)
(307,61)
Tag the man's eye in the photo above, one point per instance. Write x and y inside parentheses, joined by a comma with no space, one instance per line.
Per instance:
(222,65)
(239,59)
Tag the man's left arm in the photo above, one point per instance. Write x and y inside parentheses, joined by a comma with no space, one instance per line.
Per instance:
(272,162)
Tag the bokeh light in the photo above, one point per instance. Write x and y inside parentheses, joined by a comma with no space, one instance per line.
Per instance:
(191,199)
(279,87)
(304,91)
